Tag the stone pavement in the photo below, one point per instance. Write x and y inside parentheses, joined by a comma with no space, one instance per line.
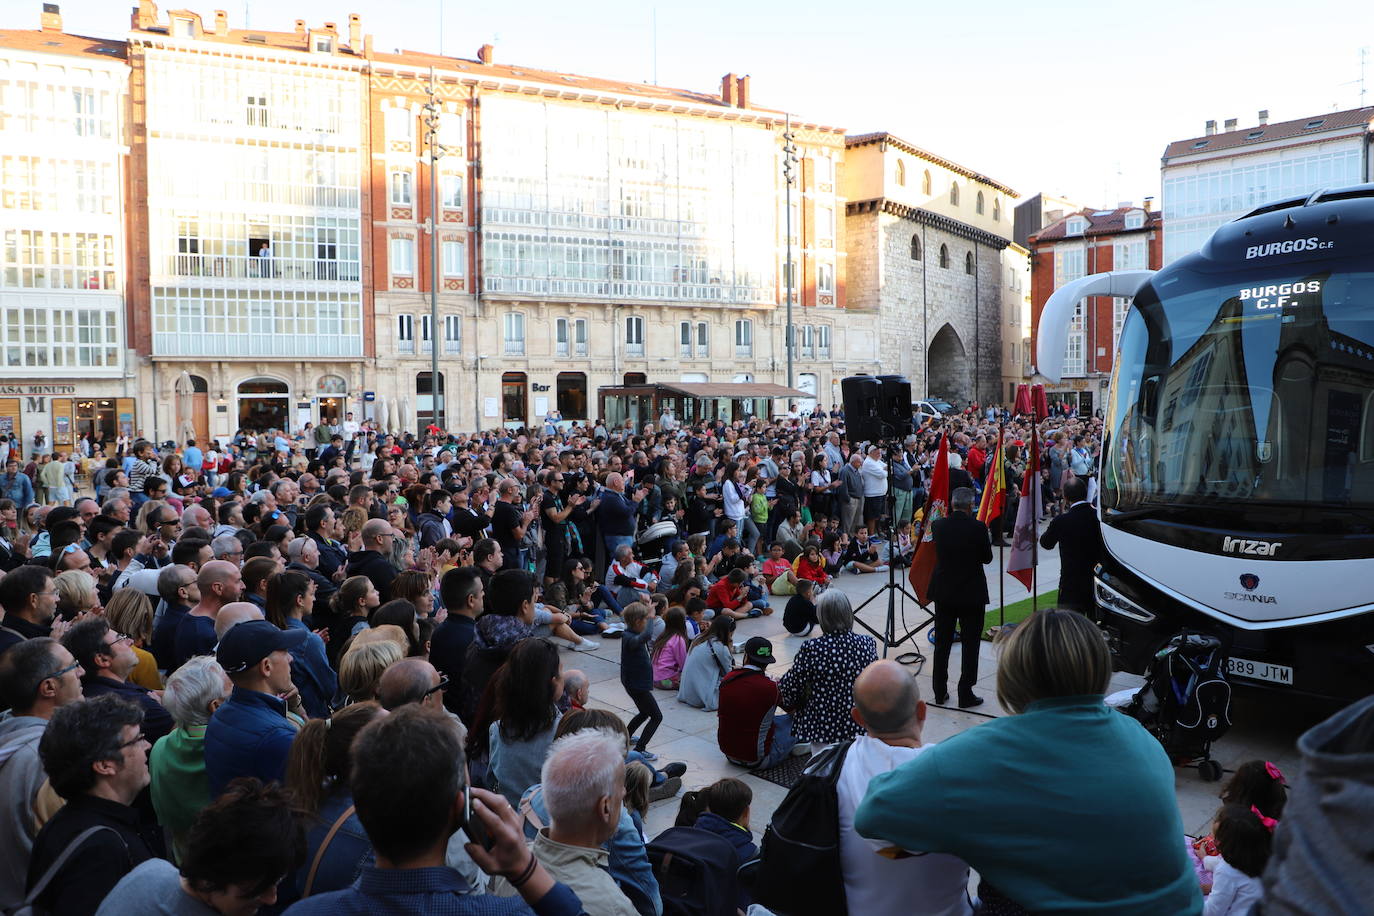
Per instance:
(1265,726)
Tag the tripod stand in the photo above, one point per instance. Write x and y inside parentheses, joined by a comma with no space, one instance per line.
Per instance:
(888,636)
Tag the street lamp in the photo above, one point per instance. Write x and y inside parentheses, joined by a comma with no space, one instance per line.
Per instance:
(432,110)
(789,172)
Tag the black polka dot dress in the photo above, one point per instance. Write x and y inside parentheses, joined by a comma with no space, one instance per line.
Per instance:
(822,682)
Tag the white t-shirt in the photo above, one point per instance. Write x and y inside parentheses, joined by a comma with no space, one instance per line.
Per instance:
(923,885)
(1234,893)
(350,429)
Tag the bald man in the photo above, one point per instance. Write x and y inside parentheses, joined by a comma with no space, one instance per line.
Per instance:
(411,680)
(887,703)
(220,583)
(374,560)
(235,612)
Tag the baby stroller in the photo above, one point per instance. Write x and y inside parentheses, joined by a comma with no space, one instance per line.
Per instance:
(1186,700)
(653,542)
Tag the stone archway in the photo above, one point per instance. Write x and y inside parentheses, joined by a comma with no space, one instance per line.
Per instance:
(950,375)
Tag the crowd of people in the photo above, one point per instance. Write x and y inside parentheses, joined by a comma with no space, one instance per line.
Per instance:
(331,679)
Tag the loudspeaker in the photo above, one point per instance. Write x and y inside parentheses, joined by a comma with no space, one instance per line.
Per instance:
(894,405)
(861,395)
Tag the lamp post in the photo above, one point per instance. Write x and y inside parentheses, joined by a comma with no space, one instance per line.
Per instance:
(789,172)
(432,110)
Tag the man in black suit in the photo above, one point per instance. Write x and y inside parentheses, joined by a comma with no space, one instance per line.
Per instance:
(960,591)
(1078,533)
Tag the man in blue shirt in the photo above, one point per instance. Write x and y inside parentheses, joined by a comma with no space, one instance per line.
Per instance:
(193,457)
(409,813)
(615,513)
(16,486)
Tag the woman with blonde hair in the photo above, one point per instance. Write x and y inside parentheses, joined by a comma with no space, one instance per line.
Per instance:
(361,668)
(352,521)
(75,593)
(131,613)
(1094,771)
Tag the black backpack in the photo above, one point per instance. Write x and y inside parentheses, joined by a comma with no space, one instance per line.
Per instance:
(695,871)
(800,870)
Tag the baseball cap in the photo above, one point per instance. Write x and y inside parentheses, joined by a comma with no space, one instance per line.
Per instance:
(245,644)
(756,649)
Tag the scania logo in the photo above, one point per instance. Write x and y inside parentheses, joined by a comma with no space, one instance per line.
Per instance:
(1249,547)
(1311,243)
(1249,581)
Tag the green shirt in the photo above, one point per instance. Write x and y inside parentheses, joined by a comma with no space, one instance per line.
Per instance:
(180,786)
(1067,808)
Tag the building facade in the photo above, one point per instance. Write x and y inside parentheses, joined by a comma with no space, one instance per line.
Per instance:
(247,252)
(1220,176)
(63,154)
(1075,246)
(928,244)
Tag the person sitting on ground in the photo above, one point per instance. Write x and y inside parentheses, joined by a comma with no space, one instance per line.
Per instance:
(727,816)
(410,812)
(1051,677)
(862,555)
(317,774)
(777,572)
(96,758)
(1245,839)
(235,856)
(180,787)
(669,650)
(811,566)
(709,658)
(250,735)
(729,597)
(818,688)
(893,882)
(799,617)
(577,690)
(525,690)
(749,732)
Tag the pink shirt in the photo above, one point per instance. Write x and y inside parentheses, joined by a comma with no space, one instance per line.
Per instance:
(668,664)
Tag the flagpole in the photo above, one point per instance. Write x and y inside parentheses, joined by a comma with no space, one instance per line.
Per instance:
(1035,509)
(1001,551)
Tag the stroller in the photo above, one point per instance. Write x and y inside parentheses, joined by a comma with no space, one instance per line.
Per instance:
(1186,701)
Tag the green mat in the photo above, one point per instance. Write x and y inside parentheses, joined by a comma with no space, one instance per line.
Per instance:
(1019,610)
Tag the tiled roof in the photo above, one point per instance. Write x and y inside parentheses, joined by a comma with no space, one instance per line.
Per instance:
(885,137)
(1282,130)
(1100,222)
(50,42)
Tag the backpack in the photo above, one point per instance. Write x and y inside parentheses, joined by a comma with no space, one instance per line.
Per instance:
(800,870)
(695,871)
(28,906)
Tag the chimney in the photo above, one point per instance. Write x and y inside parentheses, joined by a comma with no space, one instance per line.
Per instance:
(1211,128)
(1264,117)
(355,31)
(300,28)
(221,22)
(729,85)
(486,54)
(742,92)
(144,15)
(1230,124)
(1148,205)
(52,18)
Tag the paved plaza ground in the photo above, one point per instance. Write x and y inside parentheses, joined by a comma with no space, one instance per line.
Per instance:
(1266,726)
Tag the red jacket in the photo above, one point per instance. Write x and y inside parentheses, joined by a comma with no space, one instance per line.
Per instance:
(808,570)
(744,731)
(725,595)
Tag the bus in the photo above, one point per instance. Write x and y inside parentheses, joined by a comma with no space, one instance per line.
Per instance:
(1237,467)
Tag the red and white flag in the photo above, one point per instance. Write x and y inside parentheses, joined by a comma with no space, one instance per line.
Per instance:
(937,506)
(1021,560)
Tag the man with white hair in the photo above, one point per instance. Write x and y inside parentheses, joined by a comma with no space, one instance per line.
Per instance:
(627,579)
(583,779)
(196,516)
(874,474)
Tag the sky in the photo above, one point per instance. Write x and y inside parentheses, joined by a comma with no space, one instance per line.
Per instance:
(1067,97)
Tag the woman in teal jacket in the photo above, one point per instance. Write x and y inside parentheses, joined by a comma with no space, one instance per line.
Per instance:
(1065,806)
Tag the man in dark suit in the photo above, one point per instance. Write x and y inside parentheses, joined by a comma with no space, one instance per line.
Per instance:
(1078,534)
(960,591)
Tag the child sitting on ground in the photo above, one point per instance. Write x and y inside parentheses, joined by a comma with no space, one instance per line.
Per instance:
(695,609)
(1245,838)
(811,565)
(1255,782)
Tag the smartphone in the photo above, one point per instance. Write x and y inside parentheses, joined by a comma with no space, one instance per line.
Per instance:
(472,825)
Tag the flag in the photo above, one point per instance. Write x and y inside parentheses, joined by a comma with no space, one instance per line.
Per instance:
(994,488)
(937,506)
(1021,562)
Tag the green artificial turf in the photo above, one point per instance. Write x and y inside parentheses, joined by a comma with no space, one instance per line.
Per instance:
(1019,610)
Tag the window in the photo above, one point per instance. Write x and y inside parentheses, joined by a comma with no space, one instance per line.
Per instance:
(580,337)
(916,247)
(634,335)
(744,337)
(925,183)
(968,263)
(978,204)
(403,257)
(1119,308)
(825,222)
(400,187)
(954,193)
(823,341)
(400,125)
(1129,255)
(426,335)
(901,174)
(1135,220)
(684,333)
(256,109)
(703,340)
(561,340)
(451,191)
(996,210)
(453,334)
(425,412)
(405,333)
(324,44)
(1069,264)
(571,395)
(944,255)
(806,341)
(183,28)
(1075,226)
(514,334)
(455,259)
(825,279)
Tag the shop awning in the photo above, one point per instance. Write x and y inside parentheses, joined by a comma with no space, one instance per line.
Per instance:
(733,390)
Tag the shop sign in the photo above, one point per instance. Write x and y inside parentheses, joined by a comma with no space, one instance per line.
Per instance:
(37,389)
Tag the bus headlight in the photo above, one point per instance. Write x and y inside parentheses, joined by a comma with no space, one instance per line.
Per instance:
(1118,603)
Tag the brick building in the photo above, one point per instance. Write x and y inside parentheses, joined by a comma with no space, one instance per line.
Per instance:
(1079,244)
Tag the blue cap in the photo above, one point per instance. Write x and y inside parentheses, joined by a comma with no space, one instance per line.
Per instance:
(245,644)
(220,492)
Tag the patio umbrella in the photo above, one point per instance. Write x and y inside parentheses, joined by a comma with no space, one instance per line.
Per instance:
(381,414)
(407,418)
(185,392)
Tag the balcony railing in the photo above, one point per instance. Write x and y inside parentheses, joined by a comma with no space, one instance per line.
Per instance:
(634,349)
(258,268)
(515,347)
(744,349)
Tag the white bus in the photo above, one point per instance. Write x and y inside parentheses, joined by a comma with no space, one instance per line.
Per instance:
(1237,468)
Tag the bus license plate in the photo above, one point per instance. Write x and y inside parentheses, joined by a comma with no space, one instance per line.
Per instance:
(1260,671)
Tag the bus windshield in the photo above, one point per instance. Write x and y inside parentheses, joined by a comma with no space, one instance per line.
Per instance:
(1252,388)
